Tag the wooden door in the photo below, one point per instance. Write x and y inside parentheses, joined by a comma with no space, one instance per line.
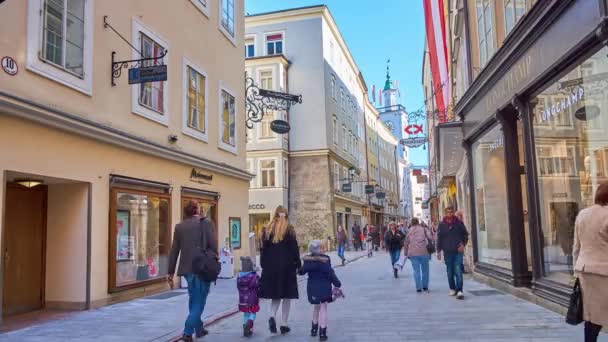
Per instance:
(24,249)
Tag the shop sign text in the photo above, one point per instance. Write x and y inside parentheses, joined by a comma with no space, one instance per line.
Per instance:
(199,177)
(563,105)
(257,207)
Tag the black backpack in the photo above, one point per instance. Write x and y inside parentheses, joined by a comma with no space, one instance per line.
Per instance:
(205,262)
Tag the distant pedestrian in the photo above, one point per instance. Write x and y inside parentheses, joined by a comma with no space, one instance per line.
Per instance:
(321,277)
(403,228)
(415,248)
(452,237)
(280,260)
(249,304)
(393,242)
(591,262)
(342,240)
(187,239)
(383,230)
(357,242)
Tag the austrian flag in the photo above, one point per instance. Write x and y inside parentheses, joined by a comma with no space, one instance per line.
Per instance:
(434,17)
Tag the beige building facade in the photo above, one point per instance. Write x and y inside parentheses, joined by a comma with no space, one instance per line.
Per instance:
(94,176)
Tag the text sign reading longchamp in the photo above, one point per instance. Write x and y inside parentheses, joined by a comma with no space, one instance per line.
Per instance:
(281,96)
(155,73)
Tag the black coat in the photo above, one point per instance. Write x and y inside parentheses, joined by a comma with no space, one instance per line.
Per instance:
(321,276)
(393,242)
(280,263)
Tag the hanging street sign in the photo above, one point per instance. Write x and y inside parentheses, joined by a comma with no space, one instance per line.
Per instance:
(369,189)
(280,96)
(280,126)
(154,73)
(347,187)
(416,172)
(380,195)
(413,142)
(413,129)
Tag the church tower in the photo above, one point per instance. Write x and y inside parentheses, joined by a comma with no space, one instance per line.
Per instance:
(389,93)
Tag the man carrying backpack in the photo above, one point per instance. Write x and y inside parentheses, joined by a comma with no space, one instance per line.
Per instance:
(190,238)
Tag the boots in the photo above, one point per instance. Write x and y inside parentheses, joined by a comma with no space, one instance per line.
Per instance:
(323,334)
(248,328)
(395,273)
(186,338)
(272,325)
(314,330)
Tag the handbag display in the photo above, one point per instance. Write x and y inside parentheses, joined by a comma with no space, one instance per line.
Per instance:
(204,262)
(574,316)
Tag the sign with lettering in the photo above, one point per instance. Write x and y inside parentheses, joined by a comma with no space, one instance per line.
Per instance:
(257,206)
(280,96)
(280,126)
(369,189)
(560,106)
(380,195)
(199,177)
(347,187)
(413,142)
(155,73)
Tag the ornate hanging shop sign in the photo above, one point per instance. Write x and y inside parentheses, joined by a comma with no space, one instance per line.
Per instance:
(413,142)
(259,101)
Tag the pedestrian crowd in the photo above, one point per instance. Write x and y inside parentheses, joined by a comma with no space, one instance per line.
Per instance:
(195,248)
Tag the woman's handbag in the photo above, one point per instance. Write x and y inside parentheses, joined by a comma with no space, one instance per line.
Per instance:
(430,244)
(574,316)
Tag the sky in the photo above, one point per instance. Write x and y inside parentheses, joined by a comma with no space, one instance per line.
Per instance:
(374,32)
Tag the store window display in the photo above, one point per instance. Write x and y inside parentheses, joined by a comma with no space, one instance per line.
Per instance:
(570,118)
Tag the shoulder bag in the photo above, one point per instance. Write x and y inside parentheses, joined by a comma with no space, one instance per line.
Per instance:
(204,262)
(575,309)
(430,244)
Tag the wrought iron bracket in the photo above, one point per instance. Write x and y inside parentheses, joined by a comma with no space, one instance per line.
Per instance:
(258,104)
(117,66)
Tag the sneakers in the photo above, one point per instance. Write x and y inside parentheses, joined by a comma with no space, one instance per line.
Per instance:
(201,332)
(314,330)
(425,290)
(419,290)
(285,329)
(452,293)
(272,325)
(460,295)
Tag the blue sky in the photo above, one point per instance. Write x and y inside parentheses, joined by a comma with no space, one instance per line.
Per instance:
(376,31)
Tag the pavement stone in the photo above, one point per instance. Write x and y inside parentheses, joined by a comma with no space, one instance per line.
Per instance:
(379,307)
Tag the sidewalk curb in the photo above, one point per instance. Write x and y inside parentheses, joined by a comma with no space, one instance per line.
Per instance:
(228,313)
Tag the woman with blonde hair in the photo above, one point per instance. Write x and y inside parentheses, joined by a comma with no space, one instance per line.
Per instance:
(280,261)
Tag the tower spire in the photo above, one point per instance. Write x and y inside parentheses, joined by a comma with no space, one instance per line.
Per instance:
(388,85)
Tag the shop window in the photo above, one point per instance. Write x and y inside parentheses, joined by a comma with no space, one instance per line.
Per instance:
(493,240)
(274,44)
(570,156)
(268,172)
(227,121)
(140,228)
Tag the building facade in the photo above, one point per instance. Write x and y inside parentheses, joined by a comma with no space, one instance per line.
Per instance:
(94,172)
(532,116)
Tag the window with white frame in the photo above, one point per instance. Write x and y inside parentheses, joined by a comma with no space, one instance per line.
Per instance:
(60,41)
(265,126)
(554,161)
(274,44)
(268,172)
(151,94)
(342,98)
(202,5)
(344,138)
(336,176)
(485,32)
(514,10)
(333,88)
(266,80)
(249,48)
(195,101)
(335,129)
(63,37)
(227,17)
(285,173)
(227,122)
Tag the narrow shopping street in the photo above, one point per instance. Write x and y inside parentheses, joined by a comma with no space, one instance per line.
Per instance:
(379,307)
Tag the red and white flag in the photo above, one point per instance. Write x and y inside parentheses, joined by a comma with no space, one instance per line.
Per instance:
(434,17)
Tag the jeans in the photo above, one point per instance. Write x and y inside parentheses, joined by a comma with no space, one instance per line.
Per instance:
(198,290)
(395,254)
(420,264)
(341,251)
(248,316)
(453,263)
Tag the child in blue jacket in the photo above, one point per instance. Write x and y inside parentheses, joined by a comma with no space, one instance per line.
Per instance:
(321,277)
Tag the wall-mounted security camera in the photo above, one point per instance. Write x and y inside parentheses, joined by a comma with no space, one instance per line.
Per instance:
(173,138)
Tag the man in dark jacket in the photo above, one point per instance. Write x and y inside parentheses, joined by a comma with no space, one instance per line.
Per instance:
(357,243)
(393,242)
(188,236)
(452,237)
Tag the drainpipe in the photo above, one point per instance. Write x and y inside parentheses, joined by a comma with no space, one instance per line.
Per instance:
(87,304)
(369,202)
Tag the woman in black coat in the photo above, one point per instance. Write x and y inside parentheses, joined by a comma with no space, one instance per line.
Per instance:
(280,261)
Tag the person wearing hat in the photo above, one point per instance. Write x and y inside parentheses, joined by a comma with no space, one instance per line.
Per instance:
(249,303)
(321,277)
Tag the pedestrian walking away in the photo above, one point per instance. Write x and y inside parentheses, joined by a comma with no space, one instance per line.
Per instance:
(393,241)
(357,242)
(249,304)
(280,261)
(187,239)
(590,254)
(321,278)
(415,248)
(342,241)
(452,237)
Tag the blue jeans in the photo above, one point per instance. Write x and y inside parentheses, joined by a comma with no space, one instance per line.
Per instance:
(420,264)
(341,251)
(454,266)
(395,254)
(248,316)
(198,290)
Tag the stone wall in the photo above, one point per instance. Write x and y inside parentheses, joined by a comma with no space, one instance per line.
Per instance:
(310,198)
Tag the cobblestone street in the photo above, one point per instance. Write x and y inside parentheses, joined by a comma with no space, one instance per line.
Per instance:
(377,306)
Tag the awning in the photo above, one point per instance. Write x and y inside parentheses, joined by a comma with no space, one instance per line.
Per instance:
(450,152)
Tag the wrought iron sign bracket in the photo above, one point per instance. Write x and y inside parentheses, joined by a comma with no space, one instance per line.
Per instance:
(258,101)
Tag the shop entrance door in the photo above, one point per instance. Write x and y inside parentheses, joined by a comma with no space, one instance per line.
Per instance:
(24,249)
